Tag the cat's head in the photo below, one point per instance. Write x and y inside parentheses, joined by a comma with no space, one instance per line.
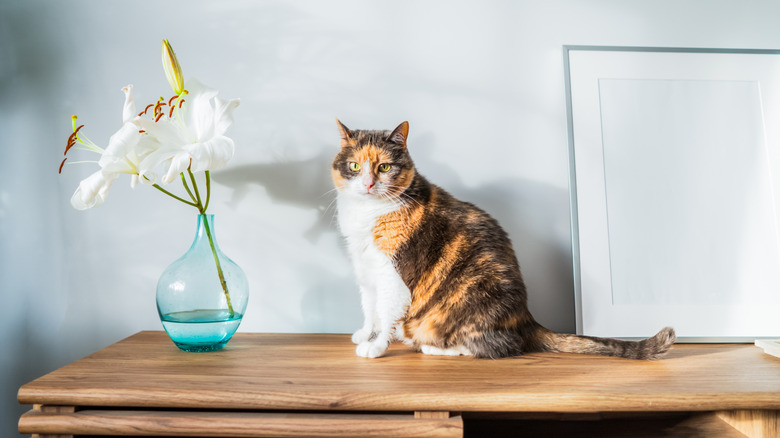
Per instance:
(373,163)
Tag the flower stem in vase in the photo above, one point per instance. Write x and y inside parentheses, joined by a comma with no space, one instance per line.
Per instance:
(219,266)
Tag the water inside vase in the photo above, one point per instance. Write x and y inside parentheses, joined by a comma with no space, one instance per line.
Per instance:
(201,330)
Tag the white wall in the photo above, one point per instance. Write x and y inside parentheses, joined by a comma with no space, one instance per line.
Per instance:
(481,84)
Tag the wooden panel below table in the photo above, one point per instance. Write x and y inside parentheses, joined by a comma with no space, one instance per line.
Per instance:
(65,423)
(237,424)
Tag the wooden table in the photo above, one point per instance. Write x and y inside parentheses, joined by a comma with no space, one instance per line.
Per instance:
(314,385)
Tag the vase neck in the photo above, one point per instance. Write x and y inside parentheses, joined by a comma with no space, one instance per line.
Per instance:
(205,227)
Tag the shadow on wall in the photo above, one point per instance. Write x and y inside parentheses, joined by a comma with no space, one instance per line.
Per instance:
(30,264)
(535,215)
(529,211)
(306,184)
(526,210)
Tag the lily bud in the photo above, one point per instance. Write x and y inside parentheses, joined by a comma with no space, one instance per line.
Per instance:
(172,68)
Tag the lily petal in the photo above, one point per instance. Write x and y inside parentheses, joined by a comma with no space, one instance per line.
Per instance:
(213,154)
(179,163)
(121,145)
(128,111)
(223,114)
(92,191)
(199,115)
(194,139)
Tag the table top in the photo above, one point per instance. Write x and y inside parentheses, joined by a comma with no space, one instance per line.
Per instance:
(321,372)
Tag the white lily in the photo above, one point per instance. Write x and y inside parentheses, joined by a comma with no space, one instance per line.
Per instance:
(92,191)
(122,155)
(194,138)
(181,137)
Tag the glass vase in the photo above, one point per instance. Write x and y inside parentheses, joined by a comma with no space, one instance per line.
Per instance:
(202,296)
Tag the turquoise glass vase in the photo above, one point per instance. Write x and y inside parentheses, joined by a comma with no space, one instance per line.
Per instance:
(202,296)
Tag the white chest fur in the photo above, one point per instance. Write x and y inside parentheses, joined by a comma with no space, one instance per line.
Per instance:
(357,217)
(384,296)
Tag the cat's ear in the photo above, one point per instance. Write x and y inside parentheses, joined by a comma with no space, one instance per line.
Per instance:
(346,134)
(399,134)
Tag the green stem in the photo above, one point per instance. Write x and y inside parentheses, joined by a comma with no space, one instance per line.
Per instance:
(222,281)
(187,188)
(202,210)
(157,186)
(208,190)
(197,192)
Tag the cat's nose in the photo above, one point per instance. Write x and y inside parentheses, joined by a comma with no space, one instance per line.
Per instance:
(368,182)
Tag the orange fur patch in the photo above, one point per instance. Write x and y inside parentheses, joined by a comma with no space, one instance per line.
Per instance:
(338,180)
(403,181)
(457,296)
(514,321)
(373,155)
(369,153)
(393,229)
(474,217)
(431,280)
(423,331)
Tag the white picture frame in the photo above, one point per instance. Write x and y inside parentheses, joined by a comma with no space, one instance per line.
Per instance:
(674,158)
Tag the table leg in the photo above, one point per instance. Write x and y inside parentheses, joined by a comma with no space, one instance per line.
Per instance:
(753,423)
(43,409)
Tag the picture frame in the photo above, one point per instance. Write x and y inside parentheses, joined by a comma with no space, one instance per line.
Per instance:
(674,159)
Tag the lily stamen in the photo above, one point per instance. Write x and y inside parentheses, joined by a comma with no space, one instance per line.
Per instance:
(62,164)
(72,139)
(157,106)
(76,131)
(145,109)
(171,99)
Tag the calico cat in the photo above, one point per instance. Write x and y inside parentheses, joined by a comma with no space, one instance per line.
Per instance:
(436,272)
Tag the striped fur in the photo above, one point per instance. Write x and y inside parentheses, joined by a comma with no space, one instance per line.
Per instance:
(437,272)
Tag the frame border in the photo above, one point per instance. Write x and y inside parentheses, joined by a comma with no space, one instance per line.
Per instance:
(573,206)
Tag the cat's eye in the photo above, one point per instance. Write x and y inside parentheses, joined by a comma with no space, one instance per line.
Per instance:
(384,167)
(353,166)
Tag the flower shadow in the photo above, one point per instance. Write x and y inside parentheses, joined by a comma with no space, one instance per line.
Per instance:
(301,183)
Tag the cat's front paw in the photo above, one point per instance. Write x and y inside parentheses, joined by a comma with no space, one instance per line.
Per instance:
(371,349)
(362,335)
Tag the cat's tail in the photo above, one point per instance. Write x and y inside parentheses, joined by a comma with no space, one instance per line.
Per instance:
(651,348)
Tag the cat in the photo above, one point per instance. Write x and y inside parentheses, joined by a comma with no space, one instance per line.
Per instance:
(436,272)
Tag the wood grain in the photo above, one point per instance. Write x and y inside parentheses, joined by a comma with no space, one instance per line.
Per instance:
(755,424)
(238,424)
(700,425)
(432,414)
(321,372)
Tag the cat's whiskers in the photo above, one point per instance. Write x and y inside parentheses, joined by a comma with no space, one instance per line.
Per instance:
(334,214)
(402,197)
(333,190)
(394,198)
(331,204)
